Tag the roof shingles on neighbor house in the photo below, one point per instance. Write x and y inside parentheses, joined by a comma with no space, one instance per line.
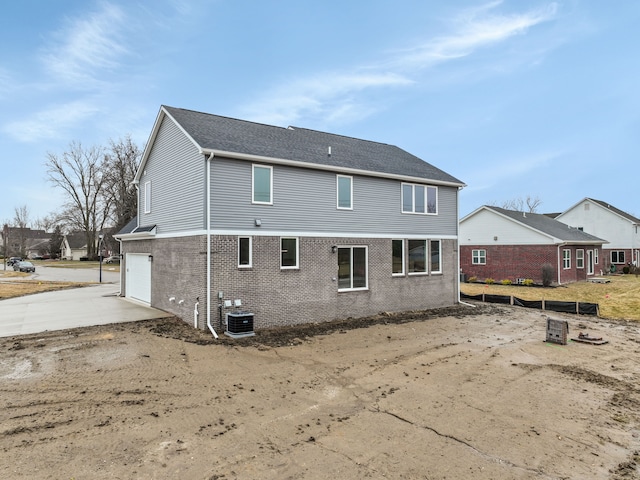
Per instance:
(342,227)
(231,136)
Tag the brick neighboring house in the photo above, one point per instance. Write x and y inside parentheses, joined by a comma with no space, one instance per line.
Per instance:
(506,244)
(299,225)
(620,228)
(25,242)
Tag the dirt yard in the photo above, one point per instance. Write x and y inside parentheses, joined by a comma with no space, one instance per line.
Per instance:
(459,393)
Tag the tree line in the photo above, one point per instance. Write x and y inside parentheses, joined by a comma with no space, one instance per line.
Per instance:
(98,194)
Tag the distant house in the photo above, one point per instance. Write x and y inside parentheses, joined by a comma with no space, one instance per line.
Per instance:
(619,228)
(25,242)
(298,225)
(510,245)
(74,246)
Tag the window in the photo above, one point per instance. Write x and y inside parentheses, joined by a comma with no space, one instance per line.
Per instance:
(344,186)
(262,184)
(244,252)
(419,199)
(596,258)
(417,256)
(397,255)
(147,197)
(352,268)
(478,257)
(436,261)
(288,253)
(566,259)
(580,258)
(617,256)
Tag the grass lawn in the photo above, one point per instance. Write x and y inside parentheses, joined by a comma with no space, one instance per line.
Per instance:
(76,264)
(618,299)
(12,284)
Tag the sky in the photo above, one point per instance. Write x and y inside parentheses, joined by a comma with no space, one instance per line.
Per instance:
(516,98)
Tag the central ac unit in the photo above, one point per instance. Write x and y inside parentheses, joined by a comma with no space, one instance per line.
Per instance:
(239,324)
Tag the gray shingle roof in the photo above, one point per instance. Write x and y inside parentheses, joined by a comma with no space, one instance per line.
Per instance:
(550,226)
(622,213)
(213,132)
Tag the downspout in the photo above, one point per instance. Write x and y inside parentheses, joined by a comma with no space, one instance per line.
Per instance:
(560,260)
(458,247)
(215,335)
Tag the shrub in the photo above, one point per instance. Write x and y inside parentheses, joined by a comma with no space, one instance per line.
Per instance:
(527,282)
(626,270)
(489,281)
(506,281)
(547,274)
(473,279)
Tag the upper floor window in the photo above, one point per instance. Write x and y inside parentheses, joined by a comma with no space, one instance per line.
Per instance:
(244,252)
(288,253)
(566,259)
(617,256)
(147,197)
(345,192)
(479,257)
(579,258)
(262,185)
(436,258)
(352,268)
(397,257)
(421,199)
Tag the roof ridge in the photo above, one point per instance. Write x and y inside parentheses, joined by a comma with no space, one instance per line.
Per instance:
(294,128)
(226,117)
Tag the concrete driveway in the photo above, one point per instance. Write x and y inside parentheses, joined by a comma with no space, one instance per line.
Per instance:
(77,307)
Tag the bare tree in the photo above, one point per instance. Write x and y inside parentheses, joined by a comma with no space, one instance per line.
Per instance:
(79,172)
(120,165)
(518,204)
(46,223)
(21,224)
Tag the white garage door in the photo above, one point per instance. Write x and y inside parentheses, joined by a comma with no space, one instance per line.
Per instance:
(138,277)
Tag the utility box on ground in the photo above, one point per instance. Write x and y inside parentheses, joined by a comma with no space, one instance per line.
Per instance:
(239,324)
(557,331)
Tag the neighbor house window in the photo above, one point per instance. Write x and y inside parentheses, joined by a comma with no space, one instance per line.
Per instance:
(436,258)
(397,255)
(596,258)
(478,257)
(419,199)
(566,259)
(345,192)
(244,252)
(352,268)
(417,256)
(262,184)
(580,258)
(288,253)
(617,256)
(147,197)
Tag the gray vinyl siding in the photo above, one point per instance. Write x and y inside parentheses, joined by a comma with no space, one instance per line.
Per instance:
(177,171)
(304,200)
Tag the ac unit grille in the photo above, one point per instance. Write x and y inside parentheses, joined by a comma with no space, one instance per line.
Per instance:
(239,324)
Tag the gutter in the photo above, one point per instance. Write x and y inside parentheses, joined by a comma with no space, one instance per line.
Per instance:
(208,171)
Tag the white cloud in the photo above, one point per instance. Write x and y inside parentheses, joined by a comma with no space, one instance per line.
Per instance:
(87,47)
(48,124)
(339,97)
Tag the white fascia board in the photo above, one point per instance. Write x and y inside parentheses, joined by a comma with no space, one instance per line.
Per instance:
(288,233)
(331,168)
(135,236)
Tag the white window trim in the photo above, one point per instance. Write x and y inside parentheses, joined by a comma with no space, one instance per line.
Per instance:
(338,177)
(479,257)
(404,260)
(566,260)
(147,196)
(366,266)
(427,260)
(580,259)
(253,184)
(439,271)
(413,199)
(297,265)
(250,264)
(617,252)
(596,257)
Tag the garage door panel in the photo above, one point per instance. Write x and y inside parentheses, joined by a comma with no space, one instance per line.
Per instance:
(138,277)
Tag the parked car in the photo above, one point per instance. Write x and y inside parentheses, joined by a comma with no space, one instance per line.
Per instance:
(112,259)
(24,267)
(13,260)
